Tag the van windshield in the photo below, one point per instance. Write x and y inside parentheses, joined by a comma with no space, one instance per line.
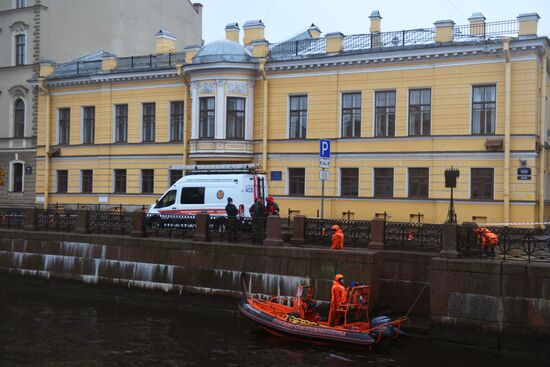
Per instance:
(192,195)
(168,199)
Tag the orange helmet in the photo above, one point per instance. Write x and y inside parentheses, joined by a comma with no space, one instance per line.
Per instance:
(335,227)
(338,277)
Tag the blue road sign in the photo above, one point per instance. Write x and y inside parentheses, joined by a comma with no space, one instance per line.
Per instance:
(324,148)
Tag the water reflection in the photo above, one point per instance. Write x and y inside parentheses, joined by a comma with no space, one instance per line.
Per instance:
(47,330)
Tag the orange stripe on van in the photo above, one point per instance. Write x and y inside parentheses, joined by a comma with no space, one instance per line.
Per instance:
(193,211)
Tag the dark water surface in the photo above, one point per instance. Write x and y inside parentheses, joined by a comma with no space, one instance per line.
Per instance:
(46,330)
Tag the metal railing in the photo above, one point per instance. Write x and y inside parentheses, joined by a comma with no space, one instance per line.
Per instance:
(12,218)
(356,232)
(110,222)
(239,229)
(59,220)
(170,225)
(369,42)
(413,236)
(526,244)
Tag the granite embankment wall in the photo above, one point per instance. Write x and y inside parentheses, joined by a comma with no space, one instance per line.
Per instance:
(498,304)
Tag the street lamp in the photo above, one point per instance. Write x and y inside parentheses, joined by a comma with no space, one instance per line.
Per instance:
(451,175)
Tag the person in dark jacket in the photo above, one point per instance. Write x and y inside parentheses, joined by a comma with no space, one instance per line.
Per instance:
(272,208)
(257,212)
(232,213)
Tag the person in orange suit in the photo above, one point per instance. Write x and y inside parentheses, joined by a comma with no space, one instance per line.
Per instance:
(489,241)
(337,238)
(338,296)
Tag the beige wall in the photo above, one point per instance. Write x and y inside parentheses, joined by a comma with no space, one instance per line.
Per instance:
(123,27)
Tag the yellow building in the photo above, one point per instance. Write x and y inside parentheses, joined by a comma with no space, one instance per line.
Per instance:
(399,108)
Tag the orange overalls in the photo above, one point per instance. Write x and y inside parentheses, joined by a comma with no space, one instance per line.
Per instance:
(338,295)
(487,238)
(337,240)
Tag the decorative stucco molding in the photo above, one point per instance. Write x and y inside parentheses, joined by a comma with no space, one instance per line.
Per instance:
(235,87)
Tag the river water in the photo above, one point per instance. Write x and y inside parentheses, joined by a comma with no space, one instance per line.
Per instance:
(40,329)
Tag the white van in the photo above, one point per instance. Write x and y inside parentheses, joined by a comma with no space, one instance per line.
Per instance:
(205,189)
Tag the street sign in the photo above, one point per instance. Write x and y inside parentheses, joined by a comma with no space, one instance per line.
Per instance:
(323,175)
(324,162)
(324,148)
(276,175)
(524,173)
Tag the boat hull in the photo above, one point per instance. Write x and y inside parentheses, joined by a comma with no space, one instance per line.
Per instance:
(309,332)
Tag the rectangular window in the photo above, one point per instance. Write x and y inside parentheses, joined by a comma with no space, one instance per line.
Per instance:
(17,177)
(349,182)
(120,181)
(419,182)
(484,109)
(207,117)
(383,182)
(482,183)
(88,128)
(235,118)
(19,118)
(175,175)
(192,195)
(20,3)
(121,123)
(351,115)
(176,121)
(20,46)
(384,113)
(296,181)
(147,181)
(148,133)
(420,112)
(64,126)
(87,176)
(298,117)
(62,181)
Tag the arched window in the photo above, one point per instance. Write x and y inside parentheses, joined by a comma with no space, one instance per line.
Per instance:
(19,118)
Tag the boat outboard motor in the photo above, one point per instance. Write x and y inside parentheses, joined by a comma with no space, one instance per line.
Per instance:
(387,330)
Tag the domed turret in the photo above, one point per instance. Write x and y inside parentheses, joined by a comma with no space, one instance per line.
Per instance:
(223,51)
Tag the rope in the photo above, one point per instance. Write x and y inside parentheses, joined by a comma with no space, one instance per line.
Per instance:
(416,300)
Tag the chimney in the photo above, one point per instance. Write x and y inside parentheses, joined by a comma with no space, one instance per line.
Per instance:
(314,31)
(334,42)
(166,42)
(528,24)
(232,32)
(253,31)
(444,31)
(190,52)
(477,24)
(375,20)
(197,7)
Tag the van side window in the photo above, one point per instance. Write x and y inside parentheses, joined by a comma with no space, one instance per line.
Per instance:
(168,199)
(192,195)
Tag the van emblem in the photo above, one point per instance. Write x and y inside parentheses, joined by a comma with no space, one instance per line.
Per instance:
(219,194)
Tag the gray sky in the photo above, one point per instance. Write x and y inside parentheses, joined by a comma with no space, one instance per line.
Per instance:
(284,18)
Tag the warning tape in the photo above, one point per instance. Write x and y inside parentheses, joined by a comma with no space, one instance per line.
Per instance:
(514,223)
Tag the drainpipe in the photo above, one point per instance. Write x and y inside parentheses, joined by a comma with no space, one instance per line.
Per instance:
(507,87)
(47,149)
(542,133)
(188,106)
(264,144)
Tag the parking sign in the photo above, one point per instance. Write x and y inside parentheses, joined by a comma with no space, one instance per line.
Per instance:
(324,148)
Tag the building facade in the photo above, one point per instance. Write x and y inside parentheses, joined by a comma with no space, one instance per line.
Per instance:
(399,108)
(36,30)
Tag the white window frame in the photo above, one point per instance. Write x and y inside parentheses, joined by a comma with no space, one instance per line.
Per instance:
(14,45)
(170,118)
(141,129)
(373,132)
(57,128)
(24,5)
(409,110)
(288,115)
(341,106)
(471,105)
(11,177)
(339,191)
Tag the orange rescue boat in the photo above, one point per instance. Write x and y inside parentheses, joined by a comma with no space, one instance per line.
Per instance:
(297,317)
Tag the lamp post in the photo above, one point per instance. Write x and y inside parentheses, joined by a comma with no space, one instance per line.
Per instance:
(451,175)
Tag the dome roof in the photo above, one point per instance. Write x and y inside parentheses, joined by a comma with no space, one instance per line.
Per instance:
(223,50)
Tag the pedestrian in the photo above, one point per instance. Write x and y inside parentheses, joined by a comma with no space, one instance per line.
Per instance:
(272,208)
(488,239)
(257,212)
(337,238)
(337,297)
(232,212)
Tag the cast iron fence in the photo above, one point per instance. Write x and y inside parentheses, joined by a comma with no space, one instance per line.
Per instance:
(59,220)
(170,225)
(12,218)
(413,236)
(319,233)
(111,222)
(240,229)
(526,244)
